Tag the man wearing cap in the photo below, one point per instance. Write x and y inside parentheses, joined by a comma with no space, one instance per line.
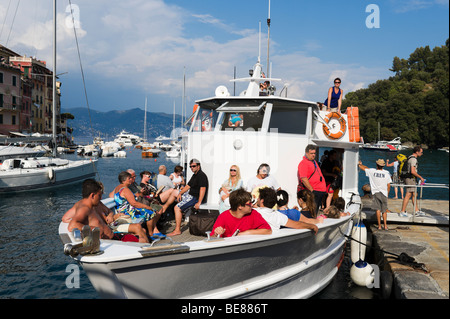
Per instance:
(380,184)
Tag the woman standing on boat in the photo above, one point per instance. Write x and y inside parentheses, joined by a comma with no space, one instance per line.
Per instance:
(334,100)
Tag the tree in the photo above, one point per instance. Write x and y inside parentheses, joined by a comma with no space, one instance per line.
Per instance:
(413,104)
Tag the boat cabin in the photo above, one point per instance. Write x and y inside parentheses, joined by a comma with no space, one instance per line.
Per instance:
(250,129)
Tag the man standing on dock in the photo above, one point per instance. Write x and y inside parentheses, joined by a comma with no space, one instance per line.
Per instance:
(411,179)
(380,184)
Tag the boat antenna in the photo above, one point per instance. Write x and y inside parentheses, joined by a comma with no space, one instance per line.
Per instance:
(259,43)
(268,43)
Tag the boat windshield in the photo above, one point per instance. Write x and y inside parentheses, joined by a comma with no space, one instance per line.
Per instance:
(205,120)
(244,121)
(288,120)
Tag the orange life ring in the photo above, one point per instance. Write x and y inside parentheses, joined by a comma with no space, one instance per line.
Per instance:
(342,126)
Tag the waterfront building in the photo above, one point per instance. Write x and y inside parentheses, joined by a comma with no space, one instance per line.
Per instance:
(10,98)
(26,96)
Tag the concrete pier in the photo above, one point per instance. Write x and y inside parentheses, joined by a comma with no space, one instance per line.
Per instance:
(426,240)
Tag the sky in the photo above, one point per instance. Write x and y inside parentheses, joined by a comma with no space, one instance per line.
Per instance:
(135,49)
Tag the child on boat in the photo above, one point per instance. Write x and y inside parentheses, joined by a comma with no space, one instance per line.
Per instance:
(268,199)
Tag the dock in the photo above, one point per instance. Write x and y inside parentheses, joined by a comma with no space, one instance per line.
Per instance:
(426,239)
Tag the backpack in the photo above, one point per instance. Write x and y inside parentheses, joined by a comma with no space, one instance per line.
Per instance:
(403,169)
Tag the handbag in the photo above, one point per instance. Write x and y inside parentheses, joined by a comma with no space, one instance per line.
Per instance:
(201,221)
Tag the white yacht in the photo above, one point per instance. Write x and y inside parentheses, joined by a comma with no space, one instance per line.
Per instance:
(127,139)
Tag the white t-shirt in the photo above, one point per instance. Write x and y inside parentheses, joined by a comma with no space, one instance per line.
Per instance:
(165,181)
(378,180)
(274,218)
(269,181)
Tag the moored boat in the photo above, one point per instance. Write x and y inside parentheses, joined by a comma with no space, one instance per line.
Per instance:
(287,264)
(19,174)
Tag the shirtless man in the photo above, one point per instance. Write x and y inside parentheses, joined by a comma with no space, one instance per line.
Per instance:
(91,211)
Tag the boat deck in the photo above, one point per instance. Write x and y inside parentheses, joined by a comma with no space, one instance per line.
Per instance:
(185,236)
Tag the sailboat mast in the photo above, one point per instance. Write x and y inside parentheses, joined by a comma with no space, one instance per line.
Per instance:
(268,43)
(184,99)
(54,82)
(173,116)
(145,121)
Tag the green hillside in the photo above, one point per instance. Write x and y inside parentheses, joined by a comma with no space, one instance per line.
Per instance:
(412,104)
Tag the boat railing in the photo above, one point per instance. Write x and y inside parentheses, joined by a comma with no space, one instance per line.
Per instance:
(419,189)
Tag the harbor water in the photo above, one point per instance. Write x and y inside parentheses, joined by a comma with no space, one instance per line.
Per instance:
(32,262)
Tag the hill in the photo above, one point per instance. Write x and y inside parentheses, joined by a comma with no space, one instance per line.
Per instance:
(412,104)
(109,124)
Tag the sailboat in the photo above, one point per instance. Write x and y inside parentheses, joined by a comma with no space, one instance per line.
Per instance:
(148,150)
(26,174)
(390,146)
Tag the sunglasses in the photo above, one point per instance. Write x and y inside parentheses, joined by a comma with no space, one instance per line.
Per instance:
(337,82)
(233,170)
(193,166)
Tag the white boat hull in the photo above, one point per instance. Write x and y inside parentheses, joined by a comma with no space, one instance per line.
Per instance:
(26,179)
(288,264)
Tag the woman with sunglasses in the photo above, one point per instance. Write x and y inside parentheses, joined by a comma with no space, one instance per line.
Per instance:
(334,100)
(233,182)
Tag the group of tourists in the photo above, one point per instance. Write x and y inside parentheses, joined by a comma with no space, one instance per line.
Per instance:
(145,203)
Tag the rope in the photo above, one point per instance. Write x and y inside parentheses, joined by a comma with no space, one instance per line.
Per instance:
(403,258)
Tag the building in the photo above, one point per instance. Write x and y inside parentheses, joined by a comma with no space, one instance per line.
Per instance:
(10,99)
(27,95)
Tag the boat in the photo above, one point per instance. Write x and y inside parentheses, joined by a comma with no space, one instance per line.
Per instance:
(162,138)
(11,151)
(27,174)
(17,174)
(389,146)
(127,139)
(289,263)
(174,153)
(150,153)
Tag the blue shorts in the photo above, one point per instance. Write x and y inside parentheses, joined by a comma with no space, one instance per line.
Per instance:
(187,201)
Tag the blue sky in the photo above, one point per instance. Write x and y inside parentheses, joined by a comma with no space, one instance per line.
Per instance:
(138,48)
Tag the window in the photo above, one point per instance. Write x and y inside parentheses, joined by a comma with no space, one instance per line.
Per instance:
(288,120)
(205,121)
(1,118)
(13,120)
(14,80)
(244,121)
(1,100)
(1,77)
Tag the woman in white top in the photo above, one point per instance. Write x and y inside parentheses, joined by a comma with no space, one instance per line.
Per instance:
(177,177)
(233,183)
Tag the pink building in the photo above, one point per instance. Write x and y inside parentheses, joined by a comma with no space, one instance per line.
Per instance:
(10,98)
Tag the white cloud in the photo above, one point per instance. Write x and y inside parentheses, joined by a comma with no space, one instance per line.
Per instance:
(144,45)
(402,6)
